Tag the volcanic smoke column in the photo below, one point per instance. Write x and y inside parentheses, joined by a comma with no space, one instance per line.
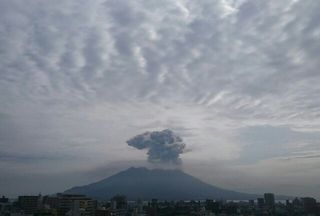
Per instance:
(163,146)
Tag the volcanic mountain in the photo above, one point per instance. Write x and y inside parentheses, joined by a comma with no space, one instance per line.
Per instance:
(157,183)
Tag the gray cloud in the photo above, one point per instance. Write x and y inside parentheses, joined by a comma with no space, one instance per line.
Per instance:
(163,146)
(265,141)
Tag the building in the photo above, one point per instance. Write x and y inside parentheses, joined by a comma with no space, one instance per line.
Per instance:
(3,199)
(251,202)
(75,205)
(269,200)
(29,204)
(103,212)
(119,202)
(310,205)
(260,202)
(5,206)
(119,205)
(50,202)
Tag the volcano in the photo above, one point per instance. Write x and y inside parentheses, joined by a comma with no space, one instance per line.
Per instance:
(143,183)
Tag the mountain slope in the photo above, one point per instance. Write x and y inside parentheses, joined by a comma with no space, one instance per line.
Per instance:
(161,184)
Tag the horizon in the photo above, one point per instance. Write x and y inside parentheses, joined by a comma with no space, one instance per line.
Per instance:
(226,90)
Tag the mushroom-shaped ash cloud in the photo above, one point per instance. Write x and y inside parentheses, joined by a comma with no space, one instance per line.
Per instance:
(163,146)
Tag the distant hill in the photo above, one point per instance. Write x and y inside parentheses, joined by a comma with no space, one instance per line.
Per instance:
(157,183)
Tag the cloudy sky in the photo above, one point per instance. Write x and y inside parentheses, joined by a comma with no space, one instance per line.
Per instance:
(238,80)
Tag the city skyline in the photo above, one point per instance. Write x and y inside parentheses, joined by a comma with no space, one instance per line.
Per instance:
(237,80)
(120,205)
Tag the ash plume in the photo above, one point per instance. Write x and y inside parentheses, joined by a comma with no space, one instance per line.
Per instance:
(163,146)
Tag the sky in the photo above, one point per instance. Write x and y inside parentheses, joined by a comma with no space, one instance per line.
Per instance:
(237,80)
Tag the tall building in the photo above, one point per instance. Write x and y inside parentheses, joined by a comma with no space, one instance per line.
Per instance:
(269,202)
(269,199)
(29,204)
(75,205)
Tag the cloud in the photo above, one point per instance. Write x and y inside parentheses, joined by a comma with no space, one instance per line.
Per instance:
(264,141)
(75,55)
(163,146)
(77,77)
